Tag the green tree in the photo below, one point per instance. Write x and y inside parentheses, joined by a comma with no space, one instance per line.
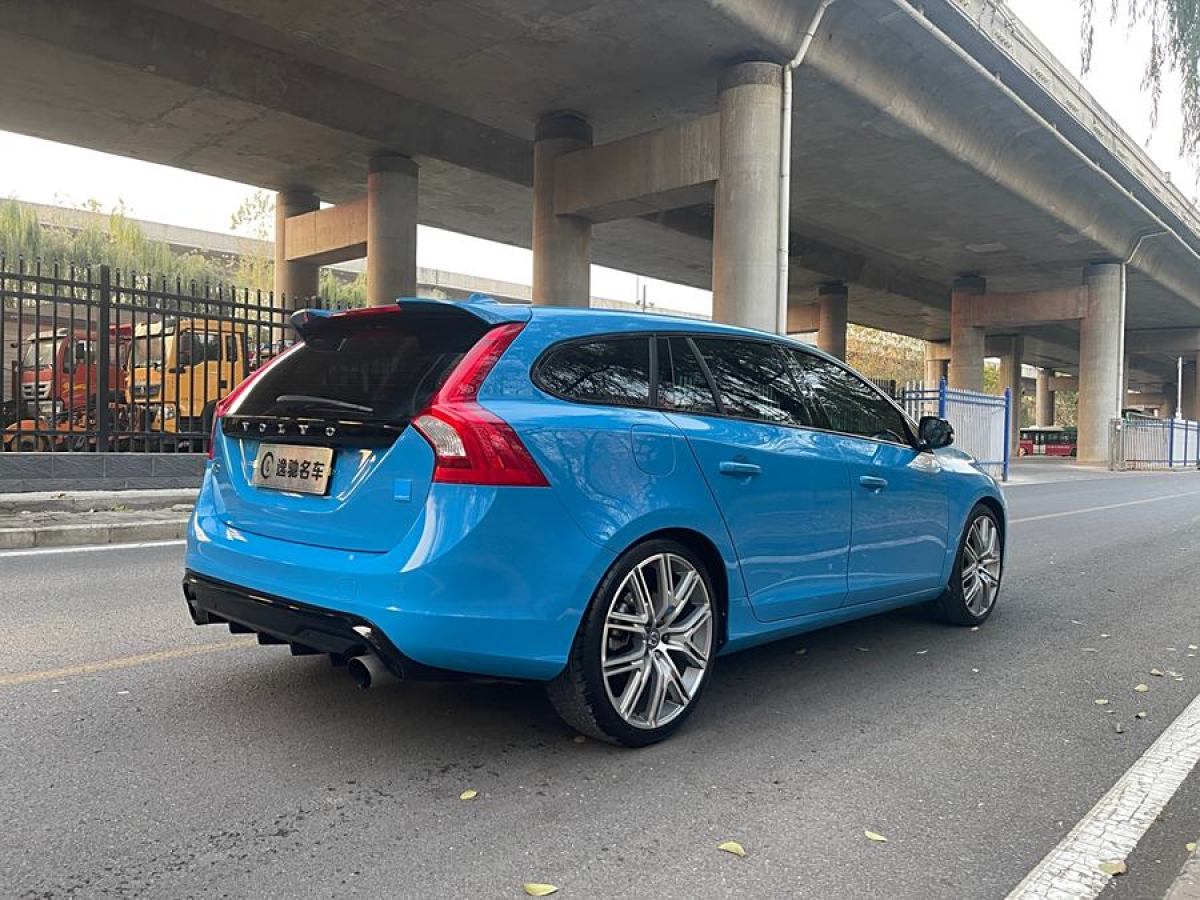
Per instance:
(1174,27)
(119,242)
(885,356)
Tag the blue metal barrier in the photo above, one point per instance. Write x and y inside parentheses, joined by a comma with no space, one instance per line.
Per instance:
(981,421)
(1146,443)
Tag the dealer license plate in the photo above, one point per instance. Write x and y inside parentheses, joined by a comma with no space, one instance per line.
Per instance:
(286,467)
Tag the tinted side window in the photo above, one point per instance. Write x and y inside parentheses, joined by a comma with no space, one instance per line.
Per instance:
(847,403)
(753,381)
(615,371)
(681,382)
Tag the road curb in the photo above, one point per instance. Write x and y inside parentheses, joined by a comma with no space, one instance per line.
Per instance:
(1187,885)
(86,501)
(92,533)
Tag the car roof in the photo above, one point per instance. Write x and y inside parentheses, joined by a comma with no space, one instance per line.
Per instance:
(583,321)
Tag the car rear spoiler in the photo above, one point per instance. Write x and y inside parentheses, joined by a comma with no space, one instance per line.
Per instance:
(310,322)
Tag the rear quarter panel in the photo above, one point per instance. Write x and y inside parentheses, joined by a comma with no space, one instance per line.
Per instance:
(621,473)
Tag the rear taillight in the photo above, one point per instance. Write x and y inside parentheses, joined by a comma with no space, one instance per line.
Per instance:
(225,404)
(470,444)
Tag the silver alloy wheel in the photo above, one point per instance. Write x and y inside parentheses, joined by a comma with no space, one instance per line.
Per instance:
(981,566)
(657,641)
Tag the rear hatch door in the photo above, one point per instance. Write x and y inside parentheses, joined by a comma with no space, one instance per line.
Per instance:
(343,401)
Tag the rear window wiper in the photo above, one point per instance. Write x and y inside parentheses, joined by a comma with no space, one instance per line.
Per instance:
(329,402)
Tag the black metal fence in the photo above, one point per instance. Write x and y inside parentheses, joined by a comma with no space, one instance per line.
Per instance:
(97,359)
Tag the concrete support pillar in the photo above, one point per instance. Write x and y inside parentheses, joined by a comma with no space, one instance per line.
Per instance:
(295,282)
(1101,359)
(1191,397)
(832,302)
(1044,407)
(391,229)
(937,364)
(1010,377)
(562,245)
(966,340)
(746,208)
(1170,396)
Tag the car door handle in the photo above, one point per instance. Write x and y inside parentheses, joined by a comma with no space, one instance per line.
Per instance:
(730,467)
(873,482)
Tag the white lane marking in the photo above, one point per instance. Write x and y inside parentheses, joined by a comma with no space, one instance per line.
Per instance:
(91,548)
(1092,509)
(1115,825)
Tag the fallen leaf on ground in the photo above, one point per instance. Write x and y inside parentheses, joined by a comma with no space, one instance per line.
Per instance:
(1157,673)
(1101,702)
(801,651)
(1118,728)
(1141,688)
(1190,846)
(533,889)
(1089,650)
(732,847)
(974,627)
(1114,867)
(1103,635)
(468,794)
(922,652)
(1140,715)
(873,836)
(1076,622)
(1194,646)
(579,739)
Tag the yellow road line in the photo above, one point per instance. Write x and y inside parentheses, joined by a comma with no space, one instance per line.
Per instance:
(122,662)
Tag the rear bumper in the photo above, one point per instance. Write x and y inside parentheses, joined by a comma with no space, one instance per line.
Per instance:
(306,629)
(489,581)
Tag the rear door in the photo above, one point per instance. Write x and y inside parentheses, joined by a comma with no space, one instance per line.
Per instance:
(352,387)
(783,488)
(899,530)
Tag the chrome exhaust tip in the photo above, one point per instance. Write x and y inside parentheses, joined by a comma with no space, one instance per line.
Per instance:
(368,671)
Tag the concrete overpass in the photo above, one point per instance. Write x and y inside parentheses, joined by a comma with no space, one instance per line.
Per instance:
(948,179)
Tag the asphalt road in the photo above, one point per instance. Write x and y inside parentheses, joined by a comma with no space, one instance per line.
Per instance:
(188,763)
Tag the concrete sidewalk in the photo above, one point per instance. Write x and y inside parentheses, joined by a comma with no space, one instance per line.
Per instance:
(75,518)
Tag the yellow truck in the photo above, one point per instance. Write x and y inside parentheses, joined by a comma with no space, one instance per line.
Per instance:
(178,369)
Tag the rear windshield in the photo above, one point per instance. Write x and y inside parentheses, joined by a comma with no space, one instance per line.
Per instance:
(365,368)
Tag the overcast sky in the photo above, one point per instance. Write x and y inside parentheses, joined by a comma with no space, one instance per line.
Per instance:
(44,172)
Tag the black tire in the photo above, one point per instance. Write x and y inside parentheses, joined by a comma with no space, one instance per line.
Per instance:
(952,607)
(579,695)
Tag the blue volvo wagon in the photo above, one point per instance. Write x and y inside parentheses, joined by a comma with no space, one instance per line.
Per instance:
(601,501)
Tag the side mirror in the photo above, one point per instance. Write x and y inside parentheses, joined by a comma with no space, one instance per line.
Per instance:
(935,433)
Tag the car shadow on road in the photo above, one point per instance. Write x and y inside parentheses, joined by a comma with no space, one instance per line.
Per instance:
(430,725)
